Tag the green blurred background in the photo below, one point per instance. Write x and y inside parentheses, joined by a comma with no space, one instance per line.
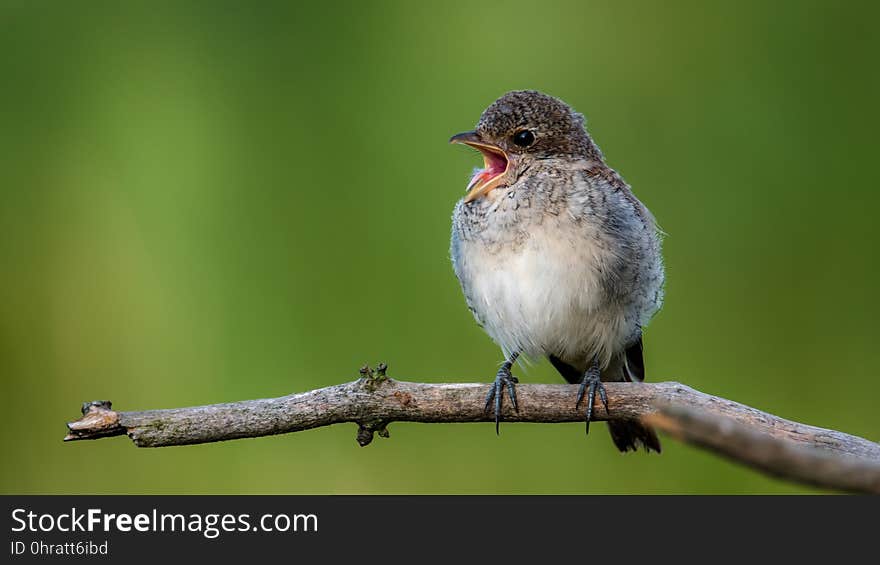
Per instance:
(214,201)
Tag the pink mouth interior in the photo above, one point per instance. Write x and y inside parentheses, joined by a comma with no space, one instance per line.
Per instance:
(495,164)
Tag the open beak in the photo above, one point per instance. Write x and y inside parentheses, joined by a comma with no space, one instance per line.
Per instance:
(495,160)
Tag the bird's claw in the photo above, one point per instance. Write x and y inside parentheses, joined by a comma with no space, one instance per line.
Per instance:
(503,380)
(590,385)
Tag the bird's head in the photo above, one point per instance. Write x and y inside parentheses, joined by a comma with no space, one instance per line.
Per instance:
(519,128)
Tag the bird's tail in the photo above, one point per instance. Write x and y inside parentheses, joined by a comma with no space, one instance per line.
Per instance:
(628,435)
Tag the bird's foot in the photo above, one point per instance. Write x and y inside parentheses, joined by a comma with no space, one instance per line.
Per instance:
(503,380)
(590,385)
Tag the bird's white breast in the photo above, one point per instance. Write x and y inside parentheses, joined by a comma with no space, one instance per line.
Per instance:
(545,295)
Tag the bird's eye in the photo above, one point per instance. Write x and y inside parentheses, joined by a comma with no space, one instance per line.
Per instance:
(523,138)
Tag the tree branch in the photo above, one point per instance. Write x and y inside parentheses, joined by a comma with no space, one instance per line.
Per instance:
(780,456)
(782,447)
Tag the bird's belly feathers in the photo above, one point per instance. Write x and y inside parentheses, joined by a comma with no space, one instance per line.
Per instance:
(545,296)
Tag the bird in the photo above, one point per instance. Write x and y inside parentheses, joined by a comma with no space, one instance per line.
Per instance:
(555,255)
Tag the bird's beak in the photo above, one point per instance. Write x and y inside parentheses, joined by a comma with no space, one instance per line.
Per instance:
(496,164)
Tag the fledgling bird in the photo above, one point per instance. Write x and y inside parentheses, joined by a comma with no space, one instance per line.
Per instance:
(555,254)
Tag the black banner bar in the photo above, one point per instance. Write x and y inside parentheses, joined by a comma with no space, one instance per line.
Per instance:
(220,529)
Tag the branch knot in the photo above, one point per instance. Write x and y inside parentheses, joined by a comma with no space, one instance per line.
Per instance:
(372,379)
(367,429)
(98,420)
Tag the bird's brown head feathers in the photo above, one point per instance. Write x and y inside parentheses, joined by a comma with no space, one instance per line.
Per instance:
(553,128)
(521,126)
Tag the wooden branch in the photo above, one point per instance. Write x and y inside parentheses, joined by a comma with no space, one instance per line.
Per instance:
(738,431)
(775,455)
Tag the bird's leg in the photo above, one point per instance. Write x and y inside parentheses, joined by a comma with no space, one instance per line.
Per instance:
(503,379)
(592,381)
